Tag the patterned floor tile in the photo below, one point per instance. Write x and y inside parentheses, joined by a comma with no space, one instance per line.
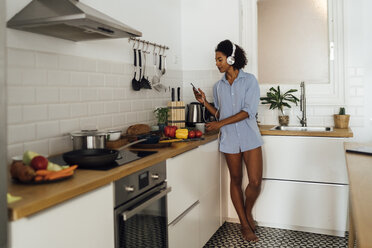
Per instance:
(229,236)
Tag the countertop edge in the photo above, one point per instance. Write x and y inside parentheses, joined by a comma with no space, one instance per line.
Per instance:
(336,133)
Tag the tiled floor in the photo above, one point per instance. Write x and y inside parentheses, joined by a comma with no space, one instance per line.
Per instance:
(228,235)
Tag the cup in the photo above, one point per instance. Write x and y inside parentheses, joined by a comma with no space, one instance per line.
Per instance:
(200,127)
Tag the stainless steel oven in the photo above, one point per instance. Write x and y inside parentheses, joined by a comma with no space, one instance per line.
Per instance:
(141,209)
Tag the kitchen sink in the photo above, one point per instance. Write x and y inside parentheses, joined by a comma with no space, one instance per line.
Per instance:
(301,129)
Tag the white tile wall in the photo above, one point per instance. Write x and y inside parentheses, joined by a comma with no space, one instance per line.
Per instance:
(51,95)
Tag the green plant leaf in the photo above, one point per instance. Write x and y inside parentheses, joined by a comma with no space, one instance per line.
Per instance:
(276,99)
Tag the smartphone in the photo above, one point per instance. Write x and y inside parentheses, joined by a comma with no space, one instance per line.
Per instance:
(193,86)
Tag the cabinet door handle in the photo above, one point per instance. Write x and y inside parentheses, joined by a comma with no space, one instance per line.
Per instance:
(176,220)
(127,214)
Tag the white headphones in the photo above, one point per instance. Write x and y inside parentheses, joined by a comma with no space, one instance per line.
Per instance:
(231,59)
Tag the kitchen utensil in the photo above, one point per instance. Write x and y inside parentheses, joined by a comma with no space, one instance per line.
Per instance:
(159,86)
(135,84)
(140,67)
(172,95)
(160,66)
(165,65)
(176,115)
(88,139)
(94,157)
(145,83)
(155,78)
(194,114)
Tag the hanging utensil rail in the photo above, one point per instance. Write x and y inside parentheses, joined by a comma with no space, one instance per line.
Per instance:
(148,43)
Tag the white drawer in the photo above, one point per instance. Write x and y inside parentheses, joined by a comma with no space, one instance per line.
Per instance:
(313,207)
(314,159)
(183,177)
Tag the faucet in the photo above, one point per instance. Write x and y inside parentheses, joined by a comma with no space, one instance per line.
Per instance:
(303,120)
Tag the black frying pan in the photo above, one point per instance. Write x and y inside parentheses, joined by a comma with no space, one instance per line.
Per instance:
(91,157)
(100,157)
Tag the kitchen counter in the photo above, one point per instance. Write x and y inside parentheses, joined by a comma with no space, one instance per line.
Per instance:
(359,169)
(337,132)
(36,198)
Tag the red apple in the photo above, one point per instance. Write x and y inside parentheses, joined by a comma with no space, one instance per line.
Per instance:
(39,163)
(191,134)
(198,133)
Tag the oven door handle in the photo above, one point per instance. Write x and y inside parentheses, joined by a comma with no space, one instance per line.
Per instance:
(127,214)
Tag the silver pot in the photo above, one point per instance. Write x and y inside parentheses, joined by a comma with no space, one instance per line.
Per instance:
(88,139)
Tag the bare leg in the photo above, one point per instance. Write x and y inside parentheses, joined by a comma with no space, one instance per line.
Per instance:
(234,162)
(253,163)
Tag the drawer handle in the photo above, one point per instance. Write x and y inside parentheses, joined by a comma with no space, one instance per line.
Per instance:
(176,220)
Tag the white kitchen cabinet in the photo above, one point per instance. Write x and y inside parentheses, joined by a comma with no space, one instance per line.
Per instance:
(195,180)
(310,207)
(312,159)
(184,233)
(304,188)
(305,184)
(182,176)
(84,221)
(209,191)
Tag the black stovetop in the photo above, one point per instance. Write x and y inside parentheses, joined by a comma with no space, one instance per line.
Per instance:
(124,157)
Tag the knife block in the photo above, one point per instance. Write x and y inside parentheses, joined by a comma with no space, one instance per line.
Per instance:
(176,114)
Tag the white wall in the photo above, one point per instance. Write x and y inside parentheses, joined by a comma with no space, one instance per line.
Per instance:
(56,86)
(359,66)
(360,51)
(204,24)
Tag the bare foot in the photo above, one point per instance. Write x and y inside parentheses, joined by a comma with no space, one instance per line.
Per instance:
(248,234)
(251,222)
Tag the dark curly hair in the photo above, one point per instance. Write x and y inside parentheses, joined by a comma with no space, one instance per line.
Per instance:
(226,48)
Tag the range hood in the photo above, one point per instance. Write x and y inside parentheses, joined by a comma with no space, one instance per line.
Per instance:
(69,19)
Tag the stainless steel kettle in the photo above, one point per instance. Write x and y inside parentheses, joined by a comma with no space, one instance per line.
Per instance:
(194,113)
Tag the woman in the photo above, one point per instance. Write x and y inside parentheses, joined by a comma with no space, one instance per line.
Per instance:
(236,98)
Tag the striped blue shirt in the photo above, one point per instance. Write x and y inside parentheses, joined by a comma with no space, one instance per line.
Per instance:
(243,94)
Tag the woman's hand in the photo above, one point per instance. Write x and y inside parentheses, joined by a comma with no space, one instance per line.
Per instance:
(212,126)
(199,95)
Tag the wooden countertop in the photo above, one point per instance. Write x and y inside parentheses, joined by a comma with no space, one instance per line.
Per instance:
(337,132)
(360,180)
(39,197)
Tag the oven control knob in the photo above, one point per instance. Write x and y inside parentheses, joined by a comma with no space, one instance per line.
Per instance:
(155,176)
(129,188)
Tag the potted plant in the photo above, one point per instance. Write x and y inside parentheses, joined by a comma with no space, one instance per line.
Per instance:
(161,114)
(279,100)
(341,119)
